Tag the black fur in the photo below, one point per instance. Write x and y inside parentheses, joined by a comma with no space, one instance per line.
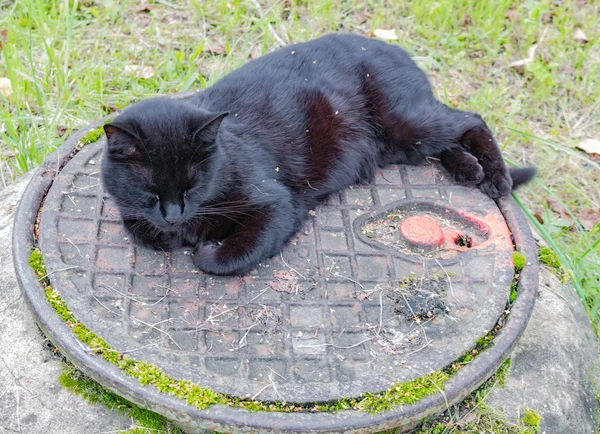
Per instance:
(234,170)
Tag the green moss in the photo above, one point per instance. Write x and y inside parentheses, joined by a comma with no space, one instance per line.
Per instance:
(513,293)
(550,259)
(93,136)
(519,260)
(531,419)
(36,262)
(145,421)
(405,393)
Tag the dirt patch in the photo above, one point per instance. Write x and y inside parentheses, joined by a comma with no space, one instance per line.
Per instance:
(420,299)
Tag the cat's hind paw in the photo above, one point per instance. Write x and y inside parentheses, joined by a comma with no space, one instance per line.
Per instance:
(471,172)
(496,183)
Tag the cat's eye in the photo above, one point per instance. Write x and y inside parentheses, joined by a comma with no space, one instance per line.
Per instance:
(155,198)
(186,194)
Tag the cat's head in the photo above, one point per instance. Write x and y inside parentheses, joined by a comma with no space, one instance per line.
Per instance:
(161,160)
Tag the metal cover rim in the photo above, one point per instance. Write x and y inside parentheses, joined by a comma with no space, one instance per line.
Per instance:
(224,418)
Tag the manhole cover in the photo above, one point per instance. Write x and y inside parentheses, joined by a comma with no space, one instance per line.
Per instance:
(386,283)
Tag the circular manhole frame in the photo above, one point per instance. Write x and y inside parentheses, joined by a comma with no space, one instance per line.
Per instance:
(226,419)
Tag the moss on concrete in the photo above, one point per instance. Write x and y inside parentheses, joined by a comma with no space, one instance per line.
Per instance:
(93,136)
(36,262)
(551,259)
(519,260)
(473,415)
(532,420)
(143,421)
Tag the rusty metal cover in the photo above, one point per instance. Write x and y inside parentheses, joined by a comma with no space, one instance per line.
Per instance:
(387,282)
(352,305)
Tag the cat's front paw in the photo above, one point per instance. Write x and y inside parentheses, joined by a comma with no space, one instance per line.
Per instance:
(151,238)
(205,258)
(497,183)
(165,242)
(220,259)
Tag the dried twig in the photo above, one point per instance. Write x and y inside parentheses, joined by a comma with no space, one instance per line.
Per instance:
(337,346)
(530,53)
(261,390)
(290,267)
(447,275)
(7,387)
(415,317)
(153,344)
(57,271)
(418,349)
(159,330)
(104,306)
(242,342)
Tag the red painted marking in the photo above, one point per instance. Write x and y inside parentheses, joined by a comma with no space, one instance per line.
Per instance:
(422,231)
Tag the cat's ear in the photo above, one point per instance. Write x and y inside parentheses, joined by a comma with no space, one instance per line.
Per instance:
(122,139)
(210,123)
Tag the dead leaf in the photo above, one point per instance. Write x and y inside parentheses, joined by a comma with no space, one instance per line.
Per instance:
(289,286)
(559,209)
(61,130)
(389,35)
(538,217)
(360,296)
(3,37)
(512,15)
(470,417)
(287,281)
(580,36)
(591,146)
(519,65)
(110,108)
(589,218)
(139,71)
(145,7)
(285,275)
(547,18)
(215,47)
(5,87)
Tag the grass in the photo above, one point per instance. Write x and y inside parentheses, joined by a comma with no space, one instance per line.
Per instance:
(68,63)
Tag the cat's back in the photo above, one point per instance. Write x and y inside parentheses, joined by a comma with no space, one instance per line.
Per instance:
(334,64)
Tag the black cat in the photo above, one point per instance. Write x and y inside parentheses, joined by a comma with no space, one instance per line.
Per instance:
(234,170)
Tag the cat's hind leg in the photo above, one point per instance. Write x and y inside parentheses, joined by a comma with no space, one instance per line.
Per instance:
(478,140)
(478,160)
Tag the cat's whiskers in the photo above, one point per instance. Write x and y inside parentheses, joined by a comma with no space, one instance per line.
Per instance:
(221,215)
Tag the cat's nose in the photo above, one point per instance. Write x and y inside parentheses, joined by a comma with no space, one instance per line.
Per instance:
(172,213)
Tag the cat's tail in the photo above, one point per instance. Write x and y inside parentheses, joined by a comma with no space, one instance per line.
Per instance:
(521,176)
